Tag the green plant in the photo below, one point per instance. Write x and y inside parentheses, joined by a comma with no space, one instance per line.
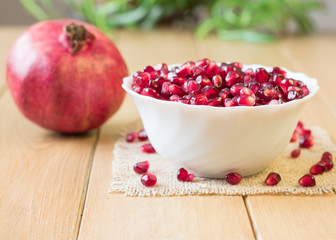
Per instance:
(248,20)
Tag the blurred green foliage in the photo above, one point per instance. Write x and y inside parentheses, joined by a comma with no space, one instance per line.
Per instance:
(247,20)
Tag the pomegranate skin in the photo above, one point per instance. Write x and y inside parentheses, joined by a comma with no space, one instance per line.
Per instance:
(61,91)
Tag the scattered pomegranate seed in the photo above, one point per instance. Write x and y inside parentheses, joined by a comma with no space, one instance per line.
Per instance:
(272,179)
(148,179)
(147,148)
(184,176)
(306,141)
(326,155)
(317,169)
(141,167)
(327,163)
(233,178)
(131,137)
(142,135)
(204,81)
(295,153)
(307,181)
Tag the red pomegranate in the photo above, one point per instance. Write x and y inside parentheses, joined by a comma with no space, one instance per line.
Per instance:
(66,75)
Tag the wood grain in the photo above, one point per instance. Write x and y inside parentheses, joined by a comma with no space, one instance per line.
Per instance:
(43,178)
(293,217)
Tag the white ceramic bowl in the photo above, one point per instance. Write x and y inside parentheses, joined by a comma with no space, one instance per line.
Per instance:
(213,141)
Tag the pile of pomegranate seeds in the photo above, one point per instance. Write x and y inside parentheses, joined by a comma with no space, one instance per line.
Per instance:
(233,178)
(304,135)
(221,85)
(272,179)
(184,176)
(324,165)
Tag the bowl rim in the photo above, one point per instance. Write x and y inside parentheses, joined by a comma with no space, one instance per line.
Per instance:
(311,83)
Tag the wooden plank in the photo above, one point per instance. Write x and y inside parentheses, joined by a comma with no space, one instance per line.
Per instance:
(116,216)
(44,178)
(303,217)
(293,217)
(43,175)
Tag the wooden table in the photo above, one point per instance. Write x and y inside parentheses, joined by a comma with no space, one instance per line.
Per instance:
(55,187)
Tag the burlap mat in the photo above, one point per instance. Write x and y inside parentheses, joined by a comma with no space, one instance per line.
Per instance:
(125,180)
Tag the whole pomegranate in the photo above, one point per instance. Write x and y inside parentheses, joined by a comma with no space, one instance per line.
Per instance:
(66,75)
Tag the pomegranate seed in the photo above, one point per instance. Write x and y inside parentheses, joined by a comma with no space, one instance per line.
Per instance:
(227,67)
(232,78)
(174,98)
(305,90)
(247,80)
(276,79)
(203,81)
(192,87)
(306,141)
(178,80)
(285,84)
(248,71)
(228,102)
(196,71)
(235,89)
(131,137)
(246,100)
(199,99)
(326,155)
(210,91)
(165,92)
(211,69)
(149,69)
(156,83)
(150,92)
(233,178)
(327,163)
(218,101)
(202,62)
(267,91)
(141,167)
(261,75)
(161,66)
(272,179)
(254,86)
(246,91)
(279,71)
(184,176)
(185,69)
(224,93)
(217,81)
(307,181)
(317,169)
(295,153)
(147,148)
(237,64)
(176,90)
(142,135)
(148,179)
